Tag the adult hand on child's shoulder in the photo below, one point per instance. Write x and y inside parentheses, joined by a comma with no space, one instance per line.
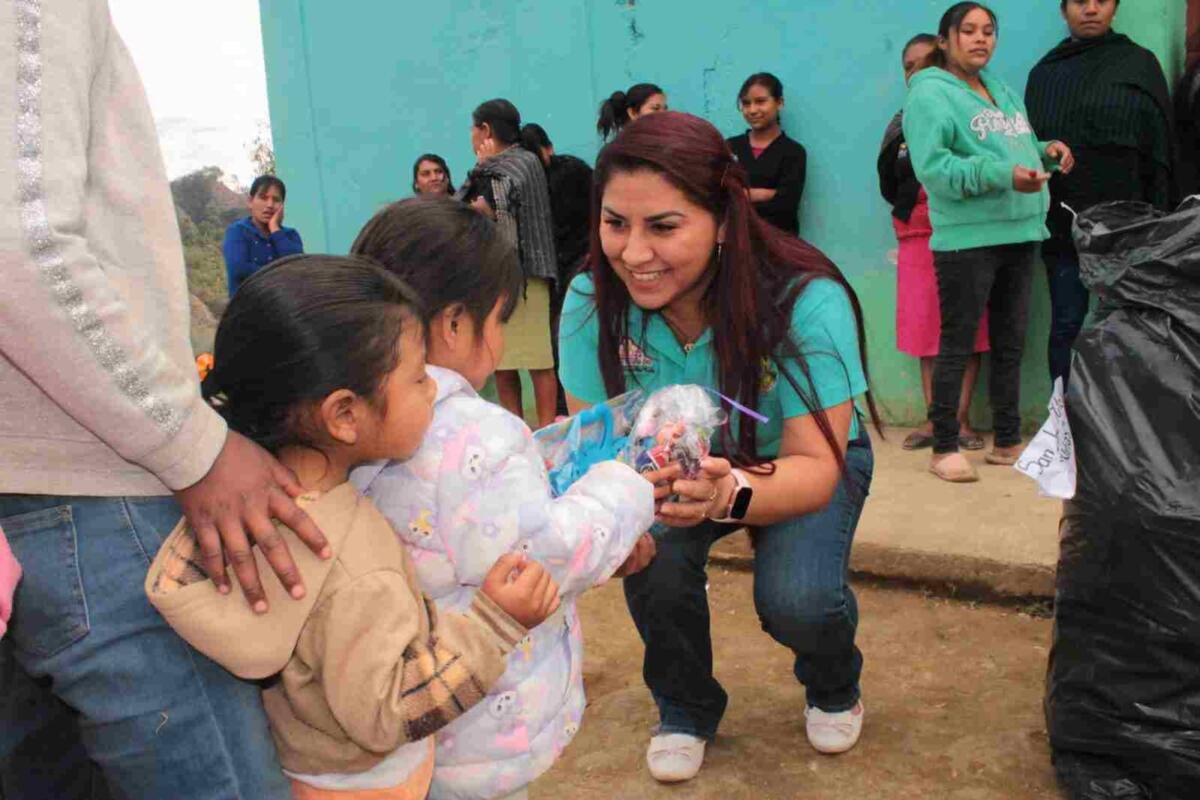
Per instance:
(244,490)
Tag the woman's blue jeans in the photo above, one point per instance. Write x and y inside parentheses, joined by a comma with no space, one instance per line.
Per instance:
(89,663)
(1068,305)
(800,592)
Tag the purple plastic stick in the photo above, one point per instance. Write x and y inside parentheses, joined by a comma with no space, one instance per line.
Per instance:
(749,412)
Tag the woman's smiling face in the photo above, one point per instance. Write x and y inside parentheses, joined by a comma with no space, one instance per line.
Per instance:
(659,242)
(759,107)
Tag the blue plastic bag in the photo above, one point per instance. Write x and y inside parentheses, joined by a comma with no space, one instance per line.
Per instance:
(600,433)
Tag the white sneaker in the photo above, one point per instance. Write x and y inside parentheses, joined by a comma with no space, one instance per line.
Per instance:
(675,757)
(834,732)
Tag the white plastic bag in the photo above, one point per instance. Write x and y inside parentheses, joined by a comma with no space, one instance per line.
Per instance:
(1050,457)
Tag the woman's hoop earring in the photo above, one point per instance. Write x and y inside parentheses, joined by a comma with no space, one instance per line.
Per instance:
(720,246)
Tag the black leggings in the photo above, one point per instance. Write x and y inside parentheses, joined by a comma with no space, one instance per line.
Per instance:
(996,278)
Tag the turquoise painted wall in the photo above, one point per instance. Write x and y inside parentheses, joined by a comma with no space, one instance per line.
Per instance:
(359,89)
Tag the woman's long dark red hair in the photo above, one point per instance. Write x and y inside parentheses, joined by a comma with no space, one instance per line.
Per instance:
(748,304)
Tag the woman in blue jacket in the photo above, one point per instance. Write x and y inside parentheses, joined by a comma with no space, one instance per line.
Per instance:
(255,241)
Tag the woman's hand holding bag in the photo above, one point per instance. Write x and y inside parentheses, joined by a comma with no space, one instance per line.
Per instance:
(704,497)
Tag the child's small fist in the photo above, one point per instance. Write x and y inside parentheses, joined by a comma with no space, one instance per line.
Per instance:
(524,589)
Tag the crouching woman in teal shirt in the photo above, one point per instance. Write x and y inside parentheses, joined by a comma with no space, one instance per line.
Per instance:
(687,285)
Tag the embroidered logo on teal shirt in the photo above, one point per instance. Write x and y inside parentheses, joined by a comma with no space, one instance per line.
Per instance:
(634,358)
(768,377)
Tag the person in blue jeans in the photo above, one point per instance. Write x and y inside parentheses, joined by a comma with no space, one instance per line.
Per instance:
(689,286)
(105,443)
(260,238)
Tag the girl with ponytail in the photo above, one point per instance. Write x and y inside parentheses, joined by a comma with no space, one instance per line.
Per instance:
(689,285)
(622,107)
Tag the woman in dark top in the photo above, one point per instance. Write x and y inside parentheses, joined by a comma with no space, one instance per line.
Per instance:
(1108,97)
(569,180)
(775,163)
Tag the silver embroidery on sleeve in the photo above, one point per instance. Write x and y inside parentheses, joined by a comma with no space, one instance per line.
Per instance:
(36,226)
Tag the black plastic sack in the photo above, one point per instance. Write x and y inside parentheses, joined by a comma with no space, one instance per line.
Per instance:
(1123,688)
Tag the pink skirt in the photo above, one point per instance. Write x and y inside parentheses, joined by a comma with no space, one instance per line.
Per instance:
(918,316)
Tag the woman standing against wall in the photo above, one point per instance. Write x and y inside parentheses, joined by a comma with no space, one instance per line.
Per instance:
(508,184)
(689,285)
(973,150)
(622,107)
(775,162)
(1109,98)
(570,183)
(431,175)
(918,318)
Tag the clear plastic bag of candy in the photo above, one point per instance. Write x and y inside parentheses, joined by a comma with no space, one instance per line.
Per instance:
(674,424)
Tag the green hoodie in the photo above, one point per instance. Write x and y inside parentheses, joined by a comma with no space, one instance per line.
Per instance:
(963,151)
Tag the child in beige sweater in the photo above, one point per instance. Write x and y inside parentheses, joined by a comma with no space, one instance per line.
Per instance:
(321,360)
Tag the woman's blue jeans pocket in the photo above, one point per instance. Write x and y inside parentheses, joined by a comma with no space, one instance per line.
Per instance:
(50,610)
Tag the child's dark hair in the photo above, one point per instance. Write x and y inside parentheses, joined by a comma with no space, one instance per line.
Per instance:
(764,79)
(952,21)
(614,112)
(297,331)
(433,158)
(448,252)
(502,117)
(265,182)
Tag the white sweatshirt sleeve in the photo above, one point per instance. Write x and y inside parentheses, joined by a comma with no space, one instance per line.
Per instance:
(65,319)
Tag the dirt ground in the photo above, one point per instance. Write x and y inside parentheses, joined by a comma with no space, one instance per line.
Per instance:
(952,691)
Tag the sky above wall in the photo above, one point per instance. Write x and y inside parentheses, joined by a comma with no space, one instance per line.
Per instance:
(202,65)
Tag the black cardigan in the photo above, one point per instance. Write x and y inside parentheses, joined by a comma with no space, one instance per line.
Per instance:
(782,167)
(570,183)
(1108,99)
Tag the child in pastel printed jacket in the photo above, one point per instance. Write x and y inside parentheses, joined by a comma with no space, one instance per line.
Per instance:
(478,488)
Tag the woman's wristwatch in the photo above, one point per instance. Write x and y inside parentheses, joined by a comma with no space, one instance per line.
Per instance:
(739,501)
